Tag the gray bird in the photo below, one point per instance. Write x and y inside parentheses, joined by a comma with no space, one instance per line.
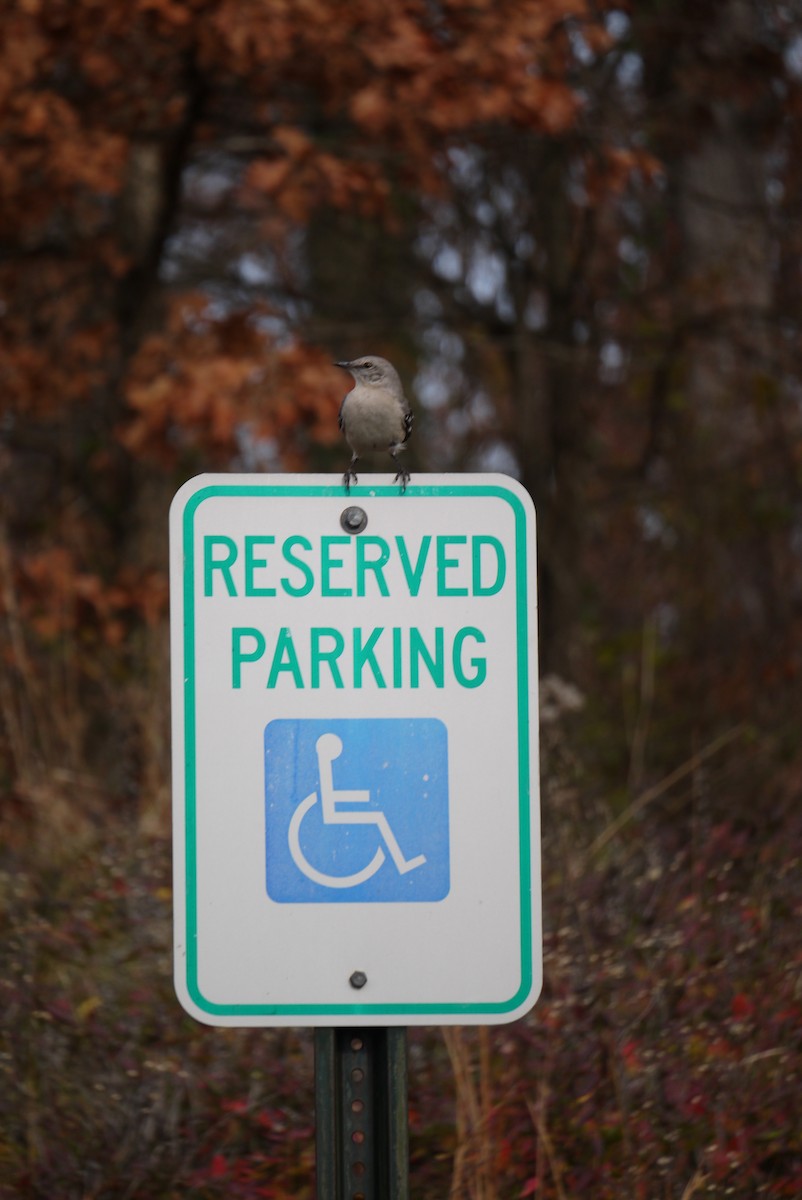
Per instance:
(375,414)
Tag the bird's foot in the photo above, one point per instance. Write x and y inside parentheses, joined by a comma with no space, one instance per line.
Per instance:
(348,477)
(403,477)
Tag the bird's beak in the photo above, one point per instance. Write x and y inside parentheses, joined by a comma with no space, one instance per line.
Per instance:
(344,365)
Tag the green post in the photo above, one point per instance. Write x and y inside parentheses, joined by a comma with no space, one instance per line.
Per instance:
(362,1137)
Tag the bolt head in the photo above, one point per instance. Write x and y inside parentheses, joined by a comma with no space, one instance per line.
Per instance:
(353,519)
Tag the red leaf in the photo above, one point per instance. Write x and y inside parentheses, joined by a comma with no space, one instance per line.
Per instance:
(742,1006)
(218,1167)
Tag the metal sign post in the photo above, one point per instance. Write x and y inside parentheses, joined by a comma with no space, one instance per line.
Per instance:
(361,1114)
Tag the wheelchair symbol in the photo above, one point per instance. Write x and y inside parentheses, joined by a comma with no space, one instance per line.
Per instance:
(328,747)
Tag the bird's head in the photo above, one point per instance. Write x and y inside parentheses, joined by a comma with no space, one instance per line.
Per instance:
(374,371)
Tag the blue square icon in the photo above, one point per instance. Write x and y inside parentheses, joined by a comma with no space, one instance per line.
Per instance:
(356,810)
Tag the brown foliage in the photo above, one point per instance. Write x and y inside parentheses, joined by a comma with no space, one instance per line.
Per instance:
(197,384)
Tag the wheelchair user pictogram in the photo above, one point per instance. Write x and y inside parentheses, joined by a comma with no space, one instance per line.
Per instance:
(356,810)
(328,749)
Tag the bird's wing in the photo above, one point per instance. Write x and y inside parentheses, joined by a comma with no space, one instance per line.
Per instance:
(407,425)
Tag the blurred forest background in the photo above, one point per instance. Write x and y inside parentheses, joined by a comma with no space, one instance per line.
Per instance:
(575,228)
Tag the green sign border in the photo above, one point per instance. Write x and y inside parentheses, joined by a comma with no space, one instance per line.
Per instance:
(523,615)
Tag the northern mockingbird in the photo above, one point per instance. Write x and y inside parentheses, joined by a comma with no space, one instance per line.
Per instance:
(375,414)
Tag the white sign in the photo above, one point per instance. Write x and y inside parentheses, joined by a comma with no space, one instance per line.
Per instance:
(356,802)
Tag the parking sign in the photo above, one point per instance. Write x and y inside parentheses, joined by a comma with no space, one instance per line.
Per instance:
(356,807)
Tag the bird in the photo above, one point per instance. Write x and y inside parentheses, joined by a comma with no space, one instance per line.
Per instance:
(375,414)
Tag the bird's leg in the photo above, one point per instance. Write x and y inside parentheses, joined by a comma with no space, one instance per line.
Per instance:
(402,475)
(350,473)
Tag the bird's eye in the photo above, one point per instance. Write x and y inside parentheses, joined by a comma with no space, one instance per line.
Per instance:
(367,364)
